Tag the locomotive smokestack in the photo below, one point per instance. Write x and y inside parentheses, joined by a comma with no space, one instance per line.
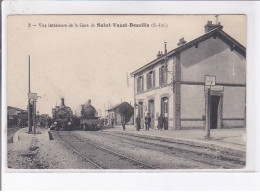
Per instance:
(62,102)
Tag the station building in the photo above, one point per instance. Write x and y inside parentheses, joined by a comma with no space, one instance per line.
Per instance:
(113,113)
(207,73)
(13,114)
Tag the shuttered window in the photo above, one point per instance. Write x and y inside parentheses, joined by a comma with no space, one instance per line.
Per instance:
(163,75)
(150,79)
(154,78)
(140,84)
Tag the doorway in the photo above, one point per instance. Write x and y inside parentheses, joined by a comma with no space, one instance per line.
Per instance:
(214,106)
(151,112)
(164,111)
(141,113)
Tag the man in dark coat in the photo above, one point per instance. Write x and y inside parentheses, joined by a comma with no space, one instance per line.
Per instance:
(138,123)
(112,122)
(147,121)
(123,122)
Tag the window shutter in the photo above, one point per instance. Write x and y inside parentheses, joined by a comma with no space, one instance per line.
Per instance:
(166,77)
(147,81)
(138,84)
(142,83)
(154,78)
(160,76)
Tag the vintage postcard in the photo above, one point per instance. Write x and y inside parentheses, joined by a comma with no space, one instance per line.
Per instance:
(126,92)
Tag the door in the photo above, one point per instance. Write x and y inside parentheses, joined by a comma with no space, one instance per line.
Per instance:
(214,103)
(151,112)
(165,111)
(141,113)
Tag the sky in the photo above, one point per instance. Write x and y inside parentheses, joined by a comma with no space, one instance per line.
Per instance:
(81,63)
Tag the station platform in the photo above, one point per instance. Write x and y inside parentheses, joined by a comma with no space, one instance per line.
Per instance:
(23,136)
(230,140)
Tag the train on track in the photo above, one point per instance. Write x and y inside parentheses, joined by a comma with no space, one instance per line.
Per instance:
(89,119)
(63,118)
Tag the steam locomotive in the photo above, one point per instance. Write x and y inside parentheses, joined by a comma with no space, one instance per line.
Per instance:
(62,117)
(89,119)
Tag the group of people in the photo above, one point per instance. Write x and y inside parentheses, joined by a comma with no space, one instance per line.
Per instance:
(147,122)
(123,122)
(147,119)
(161,122)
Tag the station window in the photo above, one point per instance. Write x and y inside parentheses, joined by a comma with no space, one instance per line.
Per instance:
(163,75)
(140,83)
(150,79)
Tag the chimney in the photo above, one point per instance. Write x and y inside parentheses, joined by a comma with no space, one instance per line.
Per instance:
(165,47)
(159,54)
(89,101)
(62,103)
(181,42)
(209,26)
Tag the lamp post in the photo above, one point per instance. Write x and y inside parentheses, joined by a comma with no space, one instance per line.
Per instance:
(208,100)
(34,116)
(33,97)
(29,102)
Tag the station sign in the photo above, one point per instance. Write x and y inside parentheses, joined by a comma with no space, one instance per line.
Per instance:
(210,80)
(33,96)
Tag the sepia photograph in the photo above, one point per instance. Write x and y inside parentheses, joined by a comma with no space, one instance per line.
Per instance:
(126,92)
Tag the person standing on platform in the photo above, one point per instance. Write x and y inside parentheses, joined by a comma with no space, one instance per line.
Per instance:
(112,122)
(147,121)
(123,122)
(138,123)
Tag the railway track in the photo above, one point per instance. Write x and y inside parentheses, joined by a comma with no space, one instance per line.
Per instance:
(73,142)
(87,159)
(182,151)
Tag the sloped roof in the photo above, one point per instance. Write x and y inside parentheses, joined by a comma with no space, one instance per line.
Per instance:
(217,32)
(117,105)
(13,110)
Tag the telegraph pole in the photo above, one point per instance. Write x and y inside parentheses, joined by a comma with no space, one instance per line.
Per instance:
(29,103)
(34,116)
(208,100)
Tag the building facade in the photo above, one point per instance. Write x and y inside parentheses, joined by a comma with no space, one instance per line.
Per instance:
(207,73)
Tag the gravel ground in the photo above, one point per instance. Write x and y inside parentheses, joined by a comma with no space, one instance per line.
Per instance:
(54,154)
(49,155)
(154,155)
(184,148)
